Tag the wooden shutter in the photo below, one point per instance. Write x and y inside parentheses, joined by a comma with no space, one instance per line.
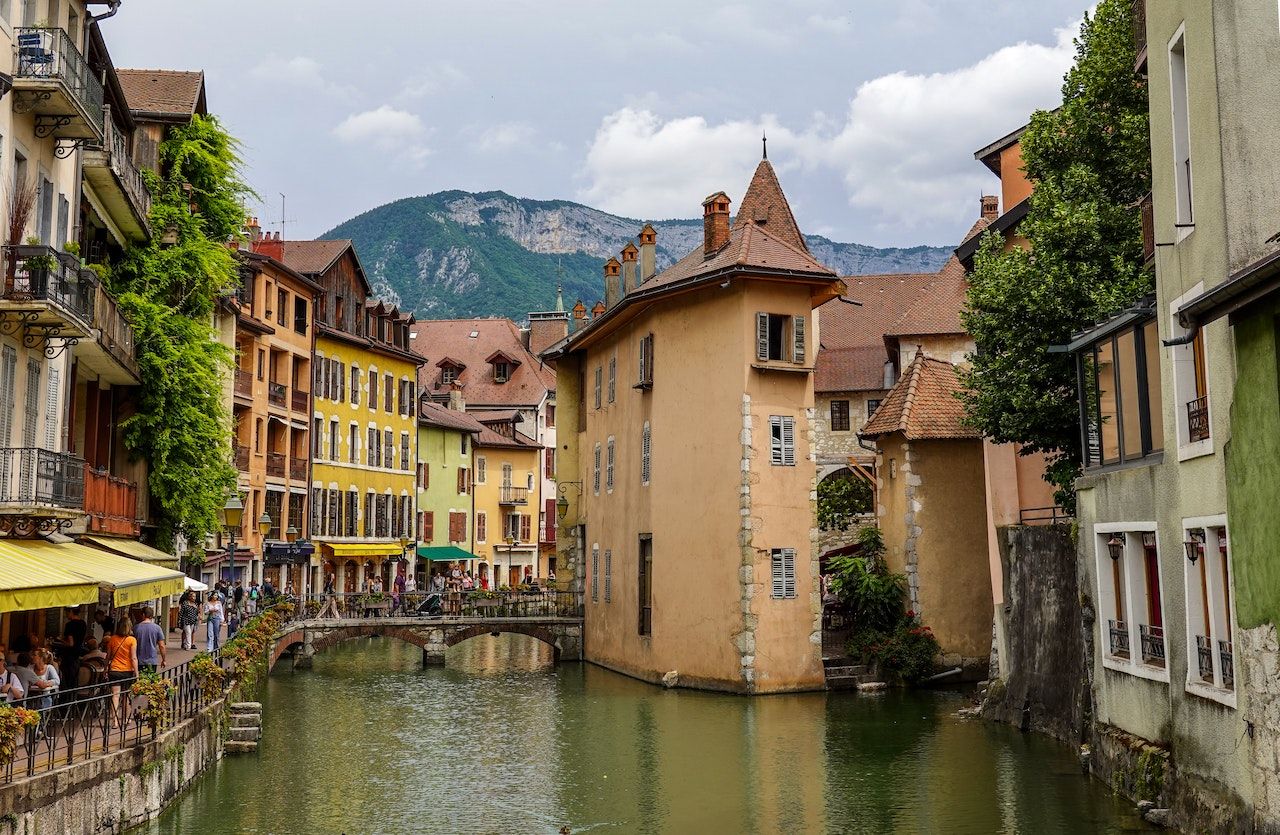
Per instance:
(550,463)
(482,527)
(51,410)
(608,575)
(462,484)
(775,440)
(762,336)
(788,572)
(8,373)
(797,339)
(608,478)
(613,379)
(789,442)
(458,527)
(777,572)
(526,528)
(318,387)
(595,473)
(428,526)
(644,361)
(355,386)
(599,375)
(595,573)
(648,341)
(644,453)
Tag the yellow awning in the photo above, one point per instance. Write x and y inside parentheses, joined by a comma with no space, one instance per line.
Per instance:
(132,580)
(133,548)
(364,549)
(30,580)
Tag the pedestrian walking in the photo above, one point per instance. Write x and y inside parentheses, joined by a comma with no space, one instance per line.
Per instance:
(188,619)
(150,639)
(213,613)
(122,665)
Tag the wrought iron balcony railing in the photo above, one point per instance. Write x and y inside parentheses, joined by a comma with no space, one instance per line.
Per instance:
(1152,638)
(113,156)
(30,477)
(300,401)
(298,469)
(1198,419)
(41,273)
(1118,638)
(53,80)
(1227,659)
(244,383)
(1204,658)
(513,495)
(277,394)
(275,464)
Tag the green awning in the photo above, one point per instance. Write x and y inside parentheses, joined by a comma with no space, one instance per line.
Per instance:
(444,553)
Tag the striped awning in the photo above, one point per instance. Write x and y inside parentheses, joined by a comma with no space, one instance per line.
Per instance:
(363,549)
(132,581)
(31,580)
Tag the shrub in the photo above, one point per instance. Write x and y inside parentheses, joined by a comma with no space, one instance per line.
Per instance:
(872,595)
(908,652)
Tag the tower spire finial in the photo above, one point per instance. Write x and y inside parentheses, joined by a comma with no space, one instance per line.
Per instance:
(559,287)
(764,142)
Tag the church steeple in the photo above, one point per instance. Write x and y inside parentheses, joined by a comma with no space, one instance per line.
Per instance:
(765,205)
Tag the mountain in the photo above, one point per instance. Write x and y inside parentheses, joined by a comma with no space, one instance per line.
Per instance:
(458,254)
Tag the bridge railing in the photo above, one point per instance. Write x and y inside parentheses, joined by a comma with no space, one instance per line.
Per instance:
(474,605)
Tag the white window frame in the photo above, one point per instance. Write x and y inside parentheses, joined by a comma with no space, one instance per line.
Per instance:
(1183,365)
(1222,622)
(1180,126)
(1134,580)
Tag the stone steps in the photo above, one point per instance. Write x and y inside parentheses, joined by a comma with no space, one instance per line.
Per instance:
(231,746)
(246,728)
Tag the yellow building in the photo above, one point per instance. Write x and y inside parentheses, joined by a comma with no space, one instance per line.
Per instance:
(364,425)
(507,494)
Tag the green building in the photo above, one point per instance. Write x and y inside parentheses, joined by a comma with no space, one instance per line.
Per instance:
(445,500)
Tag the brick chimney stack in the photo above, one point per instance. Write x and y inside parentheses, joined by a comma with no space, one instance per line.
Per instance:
(715,223)
(612,282)
(252,230)
(597,309)
(579,317)
(629,253)
(990,207)
(270,245)
(648,253)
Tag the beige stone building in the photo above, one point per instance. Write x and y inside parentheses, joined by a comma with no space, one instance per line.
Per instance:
(687,459)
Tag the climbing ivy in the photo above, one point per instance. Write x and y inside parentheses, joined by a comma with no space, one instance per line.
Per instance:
(168,289)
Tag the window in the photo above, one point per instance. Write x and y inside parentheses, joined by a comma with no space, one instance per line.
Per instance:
(1122,416)
(334,517)
(595,472)
(1181,110)
(608,575)
(501,371)
(551,415)
(872,405)
(482,526)
(595,573)
(333,441)
(512,530)
(462,480)
(462,443)
(782,441)
(404,451)
(839,415)
(388,394)
(262,364)
(368,515)
(31,412)
(372,448)
(428,526)
(644,454)
(448,374)
(388,449)
(353,511)
(353,444)
(782,563)
(373,390)
(599,384)
(549,463)
(315,511)
(356,377)
(299,314)
(780,338)
(317,438)
(645,584)
(613,379)
(1130,599)
(482,470)
(1210,662)
(457,527)
(646,363)
(608,480)
(282,306)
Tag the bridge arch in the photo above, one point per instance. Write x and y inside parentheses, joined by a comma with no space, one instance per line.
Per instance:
(458,635)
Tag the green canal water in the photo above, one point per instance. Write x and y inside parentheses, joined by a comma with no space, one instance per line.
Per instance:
(502,741)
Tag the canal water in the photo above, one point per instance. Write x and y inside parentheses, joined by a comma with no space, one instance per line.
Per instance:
(503,741)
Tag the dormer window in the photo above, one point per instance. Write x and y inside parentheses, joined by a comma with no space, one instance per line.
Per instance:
(501,372)
(448,374)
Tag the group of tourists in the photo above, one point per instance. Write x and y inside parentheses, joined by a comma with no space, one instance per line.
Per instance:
(226,604)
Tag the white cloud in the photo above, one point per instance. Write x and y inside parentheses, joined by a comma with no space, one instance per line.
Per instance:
(431,80)
(834,25)
(386,129)
(505,136)
(299,71)
(903,148)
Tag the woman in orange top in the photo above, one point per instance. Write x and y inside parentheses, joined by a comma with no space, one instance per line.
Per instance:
(122,664)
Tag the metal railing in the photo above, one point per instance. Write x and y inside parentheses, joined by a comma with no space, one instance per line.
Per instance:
(41,273)
(33,476)
(547,533)
(48,53)
(298,469)
(1198,419)
(277,393)
(474,605)
(275,464)
(1118,638)
(111,503)
(1152,639)
(1227,659)
(1204,658)
(513,495)
(244,383)
(1053,515)
(115,334)
(116,147)
(300,401)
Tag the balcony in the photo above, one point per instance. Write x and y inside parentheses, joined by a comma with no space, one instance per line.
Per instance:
(1140,36)
(40,482)
(1147,208)
(508,495)
(301,401)
(48,288)
(547,533)
(1204,658)
(54,82)
(1198,419)
(1118,638)
(110,354)
(298,469)
(275,464)
(1152,638)
(111,503)
(117,181)
(1227,659)
(277,394)
(242,458)
(244,384)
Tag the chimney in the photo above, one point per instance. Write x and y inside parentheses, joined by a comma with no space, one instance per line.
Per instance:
(648,253)
(271,246)
(715,223)
(252,230)
(456,403)
(612,282)
(597,310)
(579,316)
(629,253)
(545,330)
(990,207)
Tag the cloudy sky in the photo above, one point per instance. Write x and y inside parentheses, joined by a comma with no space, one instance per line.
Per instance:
(873,107)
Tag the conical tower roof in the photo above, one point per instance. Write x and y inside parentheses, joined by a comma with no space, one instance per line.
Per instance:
(765,205)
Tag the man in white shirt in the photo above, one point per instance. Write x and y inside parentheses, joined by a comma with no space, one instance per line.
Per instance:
(10,685)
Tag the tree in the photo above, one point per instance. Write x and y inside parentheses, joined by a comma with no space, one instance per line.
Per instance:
(1090,163)
(168,290)
(841,499)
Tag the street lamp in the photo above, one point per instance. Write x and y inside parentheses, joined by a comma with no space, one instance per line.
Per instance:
(1115,546)
(562,503)
(232,516)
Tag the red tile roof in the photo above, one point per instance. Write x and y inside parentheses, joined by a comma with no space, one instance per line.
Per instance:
(765,205)
(168,92)
(750,246)
(313,257)
(936,309)
(437,339)
(922,405)
(852,353)
(433,414)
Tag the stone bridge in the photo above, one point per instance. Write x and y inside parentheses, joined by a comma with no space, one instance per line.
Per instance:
(302,639)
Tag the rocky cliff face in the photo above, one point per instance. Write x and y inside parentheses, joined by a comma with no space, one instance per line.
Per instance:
(461,254)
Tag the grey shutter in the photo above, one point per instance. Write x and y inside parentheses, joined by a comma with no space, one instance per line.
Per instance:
(644,454)
(789,572)
(797,334)
(46,212)
(777,572)
(51,411)
(788,442)
(613,379)
(608,480)
(595,573)
(595,474)
(8,373)
(599,374)
(31,412)
(775,441)
(64,209)
(644,361)
(762,336)
(608,574)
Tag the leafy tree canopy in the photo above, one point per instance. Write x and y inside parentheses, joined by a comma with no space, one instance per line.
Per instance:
(840,500)
(1090,163)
